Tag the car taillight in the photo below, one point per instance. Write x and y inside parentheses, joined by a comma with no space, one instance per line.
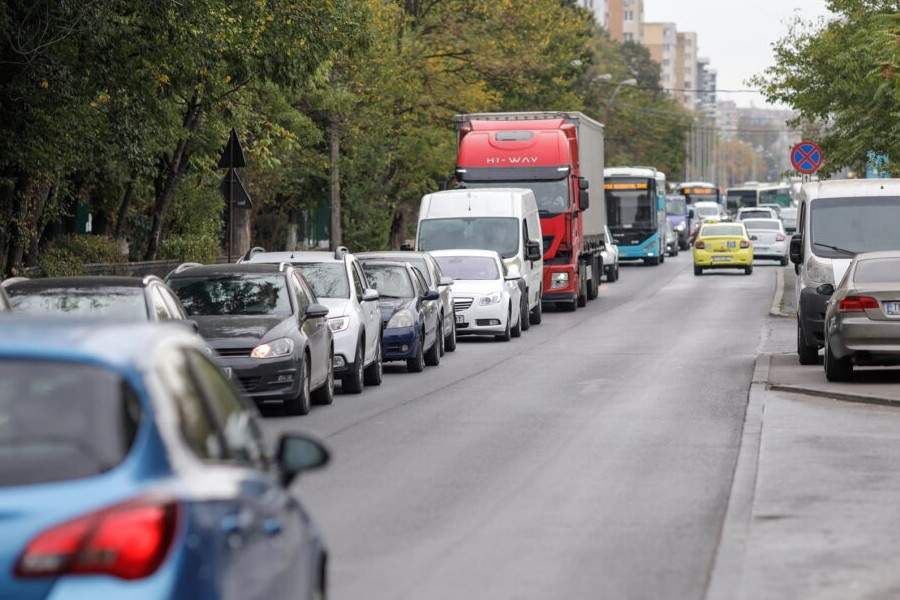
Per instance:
(779,237)
(857,304)
(128,541)
(699,245)
(745,243)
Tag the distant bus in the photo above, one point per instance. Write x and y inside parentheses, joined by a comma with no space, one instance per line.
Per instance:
(698,191)
(636,212)
(756,194)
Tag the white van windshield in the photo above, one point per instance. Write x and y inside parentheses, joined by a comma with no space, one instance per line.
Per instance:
(500,234)
(842,227)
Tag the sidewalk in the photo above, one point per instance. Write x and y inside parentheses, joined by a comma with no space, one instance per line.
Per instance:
(813,508)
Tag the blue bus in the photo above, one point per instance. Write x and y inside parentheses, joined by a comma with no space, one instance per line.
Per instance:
(636,212)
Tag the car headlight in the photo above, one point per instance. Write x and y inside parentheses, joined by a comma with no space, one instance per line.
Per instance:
(402,318)
(680,227)
(274,349)
(559,280)
(490,299)
(338,324)
(819,272)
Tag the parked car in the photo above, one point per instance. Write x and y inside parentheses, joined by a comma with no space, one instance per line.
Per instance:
(410,313)
(723,246)
(862,318)
(4,300)
(610,255)
(354,318)
(671,240)
(677,211)
(756,212)
(789,218)
(769,239)
(838,219)
(502,220)
(436,280)
(132,468)
(266,325)
(487,295)
(127,298)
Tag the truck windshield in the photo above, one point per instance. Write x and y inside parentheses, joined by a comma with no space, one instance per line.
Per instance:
(552,197)
(500,234)
(630,209)
(855,224)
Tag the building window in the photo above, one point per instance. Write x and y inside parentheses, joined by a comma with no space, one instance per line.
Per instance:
(629,37)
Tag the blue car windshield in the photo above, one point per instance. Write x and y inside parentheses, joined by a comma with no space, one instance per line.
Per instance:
(100,421)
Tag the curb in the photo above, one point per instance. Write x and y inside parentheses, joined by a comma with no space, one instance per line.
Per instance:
(728,563)
(776,309)
(833,395)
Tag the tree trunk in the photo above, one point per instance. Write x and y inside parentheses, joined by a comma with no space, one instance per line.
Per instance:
(122,214)
(16,233)
(37,221)
(241,231)
(174,168)
(334,140)
(398,227)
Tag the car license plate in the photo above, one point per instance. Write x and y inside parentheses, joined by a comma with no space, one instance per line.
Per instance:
(892,308)
(721,258)
(460,319)
(731,244)
(228,372)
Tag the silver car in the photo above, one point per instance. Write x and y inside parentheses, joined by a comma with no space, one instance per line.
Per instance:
(862,318)
(434,277)
(610,254)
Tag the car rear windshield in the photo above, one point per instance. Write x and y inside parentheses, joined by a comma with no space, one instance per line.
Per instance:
(62,421)
(471,268)
(854,225)
(878,270)
(756,214)
(706,211)
(328,280)
(764,224)
(233,294)
(390,281)
(113,302)
(722,231)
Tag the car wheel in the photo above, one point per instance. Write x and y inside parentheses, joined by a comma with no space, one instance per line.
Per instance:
(516,331)
(433,356)
(536,316)
(808,355)
(837,369)
(374,373)
(613,274)
(301,404)
(524,317)
(784,262)
(352,382)
(748,270)
(325,394)
(662,257)
(698,271)
(450,341)
(507,334)
(417,363)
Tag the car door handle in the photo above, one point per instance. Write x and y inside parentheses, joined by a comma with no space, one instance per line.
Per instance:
(272,526)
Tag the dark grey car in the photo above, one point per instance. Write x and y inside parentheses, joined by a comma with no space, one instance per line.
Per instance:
(862,318)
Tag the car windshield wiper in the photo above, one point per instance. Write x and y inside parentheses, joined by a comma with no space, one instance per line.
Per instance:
(836,249)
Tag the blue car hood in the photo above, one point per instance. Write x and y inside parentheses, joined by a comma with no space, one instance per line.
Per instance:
(390,306)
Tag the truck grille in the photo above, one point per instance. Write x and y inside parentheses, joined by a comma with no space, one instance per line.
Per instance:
(462,303)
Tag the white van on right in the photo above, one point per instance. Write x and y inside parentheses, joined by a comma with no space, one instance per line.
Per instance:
(837,220)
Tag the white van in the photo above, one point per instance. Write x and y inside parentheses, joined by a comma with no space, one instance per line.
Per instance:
(837,220)
(504,220)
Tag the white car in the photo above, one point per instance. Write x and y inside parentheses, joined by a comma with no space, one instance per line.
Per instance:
(487,298)
(707,212)
(354,316)
(769,239)
(756,212)
(610,254)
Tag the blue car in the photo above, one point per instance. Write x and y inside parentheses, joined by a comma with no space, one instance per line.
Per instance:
(131,468)
(677,213)
(410,313)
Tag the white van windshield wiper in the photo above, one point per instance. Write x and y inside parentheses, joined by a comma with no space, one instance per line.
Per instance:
(836,249)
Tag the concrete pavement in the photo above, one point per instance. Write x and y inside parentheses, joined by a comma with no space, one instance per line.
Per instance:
(592,458)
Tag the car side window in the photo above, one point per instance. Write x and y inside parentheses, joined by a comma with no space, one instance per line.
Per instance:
(357,282)
(364,281)
(160,309)
(195,422)
(238,428)
(303,300)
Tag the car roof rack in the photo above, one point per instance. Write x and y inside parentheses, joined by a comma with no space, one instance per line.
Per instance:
(340,252)
(186,266)
(12,280)
(249,254)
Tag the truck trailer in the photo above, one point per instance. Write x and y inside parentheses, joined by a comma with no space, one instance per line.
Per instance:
(559,156)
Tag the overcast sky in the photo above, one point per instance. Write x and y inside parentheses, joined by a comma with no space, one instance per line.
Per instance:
(736,35)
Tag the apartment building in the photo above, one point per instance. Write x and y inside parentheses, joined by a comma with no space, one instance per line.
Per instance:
(661,39)
(625,20)
(686,69)
(706,85)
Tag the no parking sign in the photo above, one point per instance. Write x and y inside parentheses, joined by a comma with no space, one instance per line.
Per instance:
(807,157)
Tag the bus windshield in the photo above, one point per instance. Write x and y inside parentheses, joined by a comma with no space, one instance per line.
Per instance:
(740,198)
(552,197)
(630,208)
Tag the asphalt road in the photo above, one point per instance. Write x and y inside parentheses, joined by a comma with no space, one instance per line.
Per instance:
(592,458)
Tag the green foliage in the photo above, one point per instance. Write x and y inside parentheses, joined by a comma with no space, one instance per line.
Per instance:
(190,248)
(67,255)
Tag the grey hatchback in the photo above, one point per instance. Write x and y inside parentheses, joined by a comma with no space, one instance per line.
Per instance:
(862,318)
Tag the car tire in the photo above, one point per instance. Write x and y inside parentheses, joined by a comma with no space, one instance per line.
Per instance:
(324,396)
(433,356)
(662,257)
(450,340)
(524,319)
(353,382)
(698,271)
(593,284)
(613,275)
(837,369)
(516,331)
(748,270)
(536,316)
(440,333)
(506,335)
(374,373)
(808,355)
(416,364)
(301,404)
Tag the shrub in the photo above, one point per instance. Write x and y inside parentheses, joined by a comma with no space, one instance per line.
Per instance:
(190,248)
(66,256)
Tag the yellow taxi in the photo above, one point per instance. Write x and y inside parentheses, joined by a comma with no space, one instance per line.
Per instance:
(723,246)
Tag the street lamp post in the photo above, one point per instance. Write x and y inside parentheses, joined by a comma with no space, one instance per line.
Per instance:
(607,78)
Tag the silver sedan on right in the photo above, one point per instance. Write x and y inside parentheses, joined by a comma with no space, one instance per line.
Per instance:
(862,318)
